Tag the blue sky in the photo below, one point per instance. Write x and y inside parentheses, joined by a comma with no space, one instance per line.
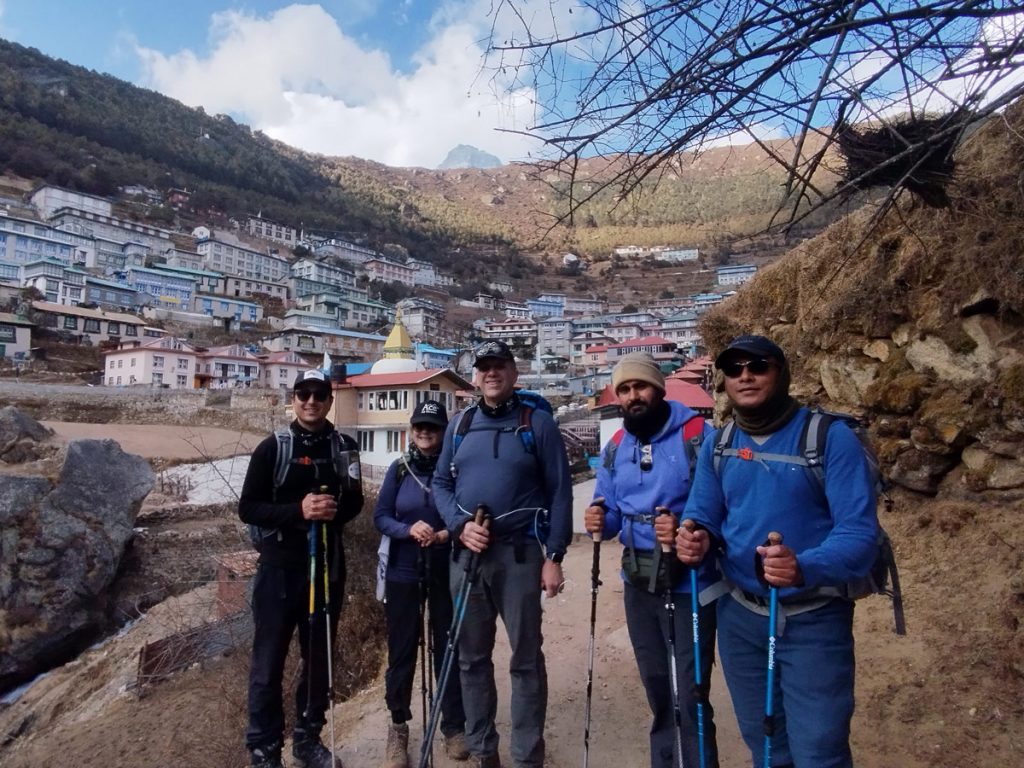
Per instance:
(397,81)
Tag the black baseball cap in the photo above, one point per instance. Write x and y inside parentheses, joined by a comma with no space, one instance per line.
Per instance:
(312,379)
(759,346)
(430,412)
(496,349)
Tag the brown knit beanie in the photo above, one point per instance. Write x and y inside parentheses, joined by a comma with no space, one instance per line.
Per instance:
(638,366)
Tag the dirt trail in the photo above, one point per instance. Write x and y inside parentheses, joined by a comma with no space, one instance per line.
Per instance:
(620,717)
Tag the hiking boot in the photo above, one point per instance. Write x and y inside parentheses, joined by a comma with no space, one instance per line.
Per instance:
(311,753)
(266,757)
(485,761)
(455,746)
(397,753)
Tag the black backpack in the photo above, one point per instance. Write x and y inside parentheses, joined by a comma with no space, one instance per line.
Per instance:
(883,578)
(340,459)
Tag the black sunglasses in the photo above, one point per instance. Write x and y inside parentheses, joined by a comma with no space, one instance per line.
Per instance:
(320,395)
(757,366)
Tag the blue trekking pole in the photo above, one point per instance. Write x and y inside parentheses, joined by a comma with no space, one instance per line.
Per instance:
(670,609)
(769,709)
(699,692)
(483,517)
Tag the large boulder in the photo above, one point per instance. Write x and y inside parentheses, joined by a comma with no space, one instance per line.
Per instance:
(60,547)
(20,436)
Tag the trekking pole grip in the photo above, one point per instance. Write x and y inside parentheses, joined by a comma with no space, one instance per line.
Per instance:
(774,538)
(598,502)
(660,511)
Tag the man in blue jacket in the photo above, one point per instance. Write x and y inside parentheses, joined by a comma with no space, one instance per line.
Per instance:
(829,539)
(514,462)
(647,466)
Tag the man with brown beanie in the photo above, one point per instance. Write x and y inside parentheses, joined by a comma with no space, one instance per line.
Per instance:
(646,469)
(754,478)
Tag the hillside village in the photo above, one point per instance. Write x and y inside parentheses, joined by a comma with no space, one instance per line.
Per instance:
(76,269)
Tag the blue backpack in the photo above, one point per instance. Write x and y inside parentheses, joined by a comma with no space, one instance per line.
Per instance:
(884,577)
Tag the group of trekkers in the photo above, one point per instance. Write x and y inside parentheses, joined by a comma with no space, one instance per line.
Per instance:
(726,534)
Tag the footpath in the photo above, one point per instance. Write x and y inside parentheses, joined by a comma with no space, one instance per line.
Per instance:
(620,718)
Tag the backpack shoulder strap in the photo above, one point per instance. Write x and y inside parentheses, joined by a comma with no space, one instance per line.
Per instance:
(284,456)
(724,441)
(464,419)
(612,448)
(812,443)
(693,438)
(525,428)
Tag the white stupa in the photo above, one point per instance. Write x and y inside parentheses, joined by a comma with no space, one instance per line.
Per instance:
(399,352)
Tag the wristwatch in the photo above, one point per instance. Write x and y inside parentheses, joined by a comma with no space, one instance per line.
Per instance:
(556,557)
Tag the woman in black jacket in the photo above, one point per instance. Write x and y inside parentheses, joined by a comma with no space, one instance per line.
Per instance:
(419,555)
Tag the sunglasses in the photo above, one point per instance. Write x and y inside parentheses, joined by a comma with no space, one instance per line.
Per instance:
(757,366)
(320,395)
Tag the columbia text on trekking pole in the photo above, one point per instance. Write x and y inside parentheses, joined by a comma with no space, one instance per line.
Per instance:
(769,707)
(700,690)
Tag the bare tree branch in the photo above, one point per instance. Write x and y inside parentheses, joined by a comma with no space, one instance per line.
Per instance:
(645,81)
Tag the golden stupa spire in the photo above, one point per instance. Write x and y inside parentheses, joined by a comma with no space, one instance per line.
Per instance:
(399,345)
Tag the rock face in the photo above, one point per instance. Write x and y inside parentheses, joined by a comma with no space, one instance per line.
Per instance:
(60,546)
(20,436)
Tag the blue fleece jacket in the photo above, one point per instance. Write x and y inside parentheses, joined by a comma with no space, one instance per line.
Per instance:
(493,467)
(628,491)
(399,505)
(834,534)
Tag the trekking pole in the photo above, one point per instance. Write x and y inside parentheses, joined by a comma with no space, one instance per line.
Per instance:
(429,657)
(327,628)
(482,517)
(769,709)
(595,582)
(312,619)
(423,642)
(670,609)
(699,693)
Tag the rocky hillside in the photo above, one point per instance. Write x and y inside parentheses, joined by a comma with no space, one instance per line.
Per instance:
(915,320)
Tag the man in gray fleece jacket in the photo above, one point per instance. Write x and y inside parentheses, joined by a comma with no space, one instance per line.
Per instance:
(518,468)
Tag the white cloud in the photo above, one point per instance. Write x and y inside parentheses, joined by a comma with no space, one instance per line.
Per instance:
(297,76)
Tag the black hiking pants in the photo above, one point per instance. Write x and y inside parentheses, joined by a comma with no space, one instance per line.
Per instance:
(280,604)
(402,612)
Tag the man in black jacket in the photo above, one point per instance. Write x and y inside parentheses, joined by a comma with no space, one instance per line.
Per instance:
(320,490)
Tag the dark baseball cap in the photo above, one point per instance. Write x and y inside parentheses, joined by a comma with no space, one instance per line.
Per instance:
(312,379)
(430,412)
(496,349)
(759,346)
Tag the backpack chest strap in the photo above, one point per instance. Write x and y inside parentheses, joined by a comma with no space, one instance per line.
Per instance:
(746,454)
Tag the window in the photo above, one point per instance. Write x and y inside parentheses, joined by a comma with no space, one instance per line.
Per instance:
(158,379)
(120,363)
(365,439)
(70,323)
(119,380)
(131,330)
(110,380)
(182,381)
(111,364)
(182,363)
(91,326)
(158,361)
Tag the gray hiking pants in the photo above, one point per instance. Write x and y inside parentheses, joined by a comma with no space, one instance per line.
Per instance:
(510,590)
